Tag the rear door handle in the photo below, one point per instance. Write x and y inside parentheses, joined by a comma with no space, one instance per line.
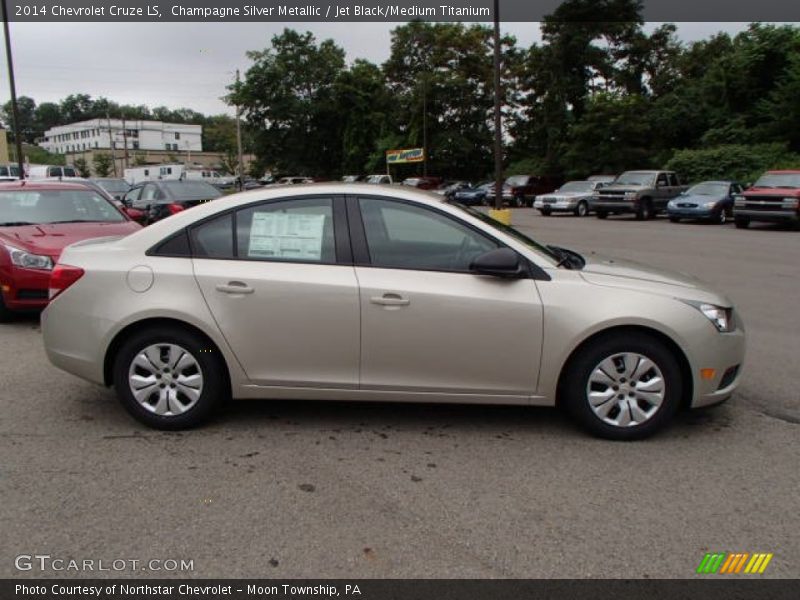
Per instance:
(390,300)
(235,287)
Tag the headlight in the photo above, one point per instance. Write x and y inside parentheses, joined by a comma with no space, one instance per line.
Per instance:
(721,317)
(790,202)
(738,200)
(26,260)
(672,204)
(709,204)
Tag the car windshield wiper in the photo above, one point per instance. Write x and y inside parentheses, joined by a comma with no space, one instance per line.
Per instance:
(72,221)
(568,258)
(16,224)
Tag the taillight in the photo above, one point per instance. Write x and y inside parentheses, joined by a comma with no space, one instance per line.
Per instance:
(174,208)
(63,276)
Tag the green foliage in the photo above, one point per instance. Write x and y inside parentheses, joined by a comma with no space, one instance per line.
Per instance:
(39,156)
(82,166)
(733,161)
(103,164)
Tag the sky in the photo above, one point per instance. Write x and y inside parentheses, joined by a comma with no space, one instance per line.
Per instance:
(189,64)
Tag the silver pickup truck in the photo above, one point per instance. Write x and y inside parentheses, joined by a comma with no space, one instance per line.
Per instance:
(644,193)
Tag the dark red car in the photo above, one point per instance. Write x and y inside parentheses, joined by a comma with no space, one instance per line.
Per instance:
(37,221)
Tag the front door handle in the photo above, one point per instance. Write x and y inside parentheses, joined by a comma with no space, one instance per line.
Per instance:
(235,287)
(390,300)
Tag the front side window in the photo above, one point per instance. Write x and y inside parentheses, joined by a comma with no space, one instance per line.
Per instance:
(298,230)
(400,235)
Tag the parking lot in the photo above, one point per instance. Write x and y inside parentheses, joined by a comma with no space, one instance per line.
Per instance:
(283,489)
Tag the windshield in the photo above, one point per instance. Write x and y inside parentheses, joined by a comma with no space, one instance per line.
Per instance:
(521,237)
(779,180)
(577,186)
(708,189)
(635,178)
(113,186)
(191,190)
(37,207)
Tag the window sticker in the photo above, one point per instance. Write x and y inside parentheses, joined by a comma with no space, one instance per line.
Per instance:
(286,235)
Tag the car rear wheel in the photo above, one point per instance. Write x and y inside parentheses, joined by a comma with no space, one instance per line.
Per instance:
(624,387)
(742,222)
(582,209)
(169,378)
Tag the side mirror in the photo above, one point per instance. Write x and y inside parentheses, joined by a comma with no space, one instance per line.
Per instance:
(502,262)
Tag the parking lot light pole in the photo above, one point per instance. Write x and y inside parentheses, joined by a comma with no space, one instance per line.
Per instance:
(12,85)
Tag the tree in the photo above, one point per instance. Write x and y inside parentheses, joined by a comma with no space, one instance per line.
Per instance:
(286,96)
(82,166)
(26,110)
(102,164)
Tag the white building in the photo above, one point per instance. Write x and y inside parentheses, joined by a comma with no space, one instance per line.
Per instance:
(118,134)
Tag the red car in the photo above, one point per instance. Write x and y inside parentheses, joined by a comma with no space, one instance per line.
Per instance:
(37,221)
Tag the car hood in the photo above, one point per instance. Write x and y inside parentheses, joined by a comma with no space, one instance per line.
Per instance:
(50,240)
(756,191)
(557,194)
(616,272)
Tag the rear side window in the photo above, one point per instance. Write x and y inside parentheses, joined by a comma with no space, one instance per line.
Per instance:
(298,230)
(177,245)
(214,238)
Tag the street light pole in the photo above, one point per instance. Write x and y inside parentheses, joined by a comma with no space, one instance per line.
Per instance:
(498,134)
(12,85)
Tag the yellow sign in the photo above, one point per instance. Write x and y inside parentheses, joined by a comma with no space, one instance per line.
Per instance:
(409,155)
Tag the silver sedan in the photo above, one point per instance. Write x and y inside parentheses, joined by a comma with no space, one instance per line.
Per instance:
(358,292)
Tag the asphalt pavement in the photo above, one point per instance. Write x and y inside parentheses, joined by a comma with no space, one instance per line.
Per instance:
(359,490)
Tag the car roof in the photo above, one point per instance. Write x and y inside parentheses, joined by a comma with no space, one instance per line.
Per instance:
(27,184)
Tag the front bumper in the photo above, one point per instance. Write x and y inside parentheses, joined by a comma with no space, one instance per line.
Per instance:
(559,205)
(689,213)
(612,205)
(24,289)
(724,353)
(771,216)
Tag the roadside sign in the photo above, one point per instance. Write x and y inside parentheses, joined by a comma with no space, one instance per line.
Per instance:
(408,155)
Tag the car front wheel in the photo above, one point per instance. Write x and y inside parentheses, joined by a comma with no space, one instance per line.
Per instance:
(582,209)
(169,378)
(624,387)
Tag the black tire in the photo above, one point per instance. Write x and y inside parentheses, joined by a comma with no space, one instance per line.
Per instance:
(601,214)
(518,202)
(742,222)
(211,366)
(674,219)
(645,210)
(5,314)
(545,212)
(575,381)
(719,217)
(582,209)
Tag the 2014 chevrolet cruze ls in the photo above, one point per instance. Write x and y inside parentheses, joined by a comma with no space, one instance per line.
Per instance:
(351,292)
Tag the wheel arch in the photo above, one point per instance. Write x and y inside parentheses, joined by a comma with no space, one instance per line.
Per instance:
(683,362)
(148,323)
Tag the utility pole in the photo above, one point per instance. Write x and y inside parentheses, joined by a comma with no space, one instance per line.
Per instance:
(425,124)
(240,163)
(498,123)
(111,143)
(125,144)
(12,85)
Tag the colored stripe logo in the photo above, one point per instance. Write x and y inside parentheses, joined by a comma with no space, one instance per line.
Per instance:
(730,563)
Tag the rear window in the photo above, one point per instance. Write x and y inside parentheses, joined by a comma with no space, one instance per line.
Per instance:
(191,190)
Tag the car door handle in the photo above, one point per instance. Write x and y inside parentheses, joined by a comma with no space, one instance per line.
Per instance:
(235,287)
(390,300)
